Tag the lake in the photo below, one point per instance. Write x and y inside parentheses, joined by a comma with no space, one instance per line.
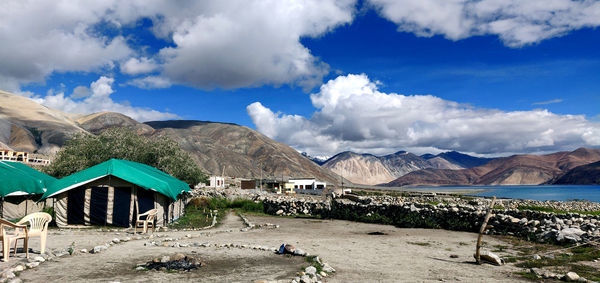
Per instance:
(545,192)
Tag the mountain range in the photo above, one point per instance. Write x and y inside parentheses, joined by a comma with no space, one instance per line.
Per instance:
(526,169)
(368,169)
(237,150)
(243,152)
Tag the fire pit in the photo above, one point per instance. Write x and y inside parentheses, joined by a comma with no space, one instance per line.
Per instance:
(179,262)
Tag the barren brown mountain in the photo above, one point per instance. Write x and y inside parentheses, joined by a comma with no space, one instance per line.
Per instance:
(588,174)
(513,170)
(28,126)
(240,151)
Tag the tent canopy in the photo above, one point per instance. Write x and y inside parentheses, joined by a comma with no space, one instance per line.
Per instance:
(139,174)
(20,179)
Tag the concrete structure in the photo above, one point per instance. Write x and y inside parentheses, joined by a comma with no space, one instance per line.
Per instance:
(217,182)
(308,184)
(22,156)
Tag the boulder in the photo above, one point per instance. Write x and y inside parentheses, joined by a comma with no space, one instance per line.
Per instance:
(98,249)
(569,235)
(571,277)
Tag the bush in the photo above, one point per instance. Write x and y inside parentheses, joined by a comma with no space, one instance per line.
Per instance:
(86,150)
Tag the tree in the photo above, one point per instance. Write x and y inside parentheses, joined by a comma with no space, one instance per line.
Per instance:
(86,150)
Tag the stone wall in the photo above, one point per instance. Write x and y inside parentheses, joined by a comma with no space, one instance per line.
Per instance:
(452,214)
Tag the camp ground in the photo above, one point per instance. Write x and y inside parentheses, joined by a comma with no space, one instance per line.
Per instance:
(114,193)
(21,188)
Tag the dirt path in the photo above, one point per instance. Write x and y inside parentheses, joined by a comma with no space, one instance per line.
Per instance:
(400,255)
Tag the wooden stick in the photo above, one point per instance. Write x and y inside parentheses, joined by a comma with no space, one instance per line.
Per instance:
(483,227)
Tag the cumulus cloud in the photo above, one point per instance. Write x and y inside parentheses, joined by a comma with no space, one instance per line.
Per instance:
(516,22)
(41,37)
(99,100)
(81,92)
(135,66)
(227,44)
(250,43)
(352,114)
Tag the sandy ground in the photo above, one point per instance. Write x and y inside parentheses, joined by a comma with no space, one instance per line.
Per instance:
(401,255)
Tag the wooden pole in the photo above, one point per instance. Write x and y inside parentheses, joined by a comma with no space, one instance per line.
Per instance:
(482,229)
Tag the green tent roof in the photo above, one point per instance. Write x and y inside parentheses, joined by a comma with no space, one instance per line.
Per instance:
(20,179)
(142,175)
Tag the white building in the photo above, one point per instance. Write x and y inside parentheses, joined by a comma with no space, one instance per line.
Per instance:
(217,182)
(308,184)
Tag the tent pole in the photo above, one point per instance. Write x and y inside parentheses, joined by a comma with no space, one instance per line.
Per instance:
(2,210)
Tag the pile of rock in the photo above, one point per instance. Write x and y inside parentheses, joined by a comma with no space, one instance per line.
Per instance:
(178,262)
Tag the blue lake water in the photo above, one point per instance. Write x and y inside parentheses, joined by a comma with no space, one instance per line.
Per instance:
(550,192)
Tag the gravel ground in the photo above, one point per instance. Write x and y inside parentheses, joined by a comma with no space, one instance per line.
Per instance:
(409,255)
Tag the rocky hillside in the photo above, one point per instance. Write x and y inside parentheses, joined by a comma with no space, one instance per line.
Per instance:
(28,126)
(97,122)
(581,175)
(368,169)
(239,151)
(459,159)
(513,170)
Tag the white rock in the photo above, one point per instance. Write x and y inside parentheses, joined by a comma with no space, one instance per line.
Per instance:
(98,249)
(165,258)
(571,276)
(39,259)
(311,270)
(116,240)
(32,264)
(140,268)
(18,268)
(83,251)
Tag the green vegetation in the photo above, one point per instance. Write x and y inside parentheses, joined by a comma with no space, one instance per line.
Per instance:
(312,260)
(557,211)
(199,210)
(562,261)
(85,150)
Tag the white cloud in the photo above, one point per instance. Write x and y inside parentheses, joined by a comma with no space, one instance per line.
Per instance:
(99,100)
(41,37)
(516,22)
(250,43)
(151,82)
(81,92)
(552,101)
(135,66)
(228,44)
(352,114)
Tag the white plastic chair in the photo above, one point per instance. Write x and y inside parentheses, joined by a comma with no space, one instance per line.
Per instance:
(7,238)
(147,222)
(38,227)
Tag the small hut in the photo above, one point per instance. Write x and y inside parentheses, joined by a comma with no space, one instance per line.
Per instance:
(20,187)
(114,193)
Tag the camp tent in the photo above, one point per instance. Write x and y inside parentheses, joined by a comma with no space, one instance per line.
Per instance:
(114,192)
(20,187)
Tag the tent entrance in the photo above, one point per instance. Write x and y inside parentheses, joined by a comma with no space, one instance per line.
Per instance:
(121,206)
(75,207)
(98,205)
(145,200)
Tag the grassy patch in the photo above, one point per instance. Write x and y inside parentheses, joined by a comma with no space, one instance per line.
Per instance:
(557,211)
(312,260)
(198,211)
(499,248)
(528,275)
(586,271)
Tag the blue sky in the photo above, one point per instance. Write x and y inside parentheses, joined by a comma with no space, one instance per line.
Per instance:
(424,76)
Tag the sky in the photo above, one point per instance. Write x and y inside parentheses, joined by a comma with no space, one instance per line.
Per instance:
(487,77)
